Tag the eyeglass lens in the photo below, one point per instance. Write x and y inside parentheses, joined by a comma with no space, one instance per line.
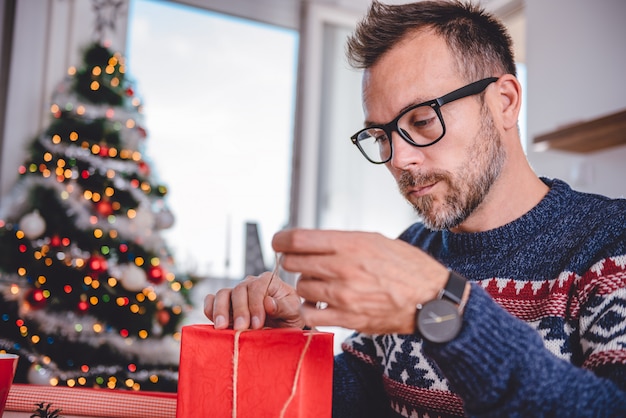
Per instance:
(420,125)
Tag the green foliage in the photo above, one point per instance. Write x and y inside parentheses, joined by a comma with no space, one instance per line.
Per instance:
(109,92)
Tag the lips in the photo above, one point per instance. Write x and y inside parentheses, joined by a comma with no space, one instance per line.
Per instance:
(416,185)
(421,190)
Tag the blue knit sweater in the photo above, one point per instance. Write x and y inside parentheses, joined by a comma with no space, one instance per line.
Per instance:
(544,330)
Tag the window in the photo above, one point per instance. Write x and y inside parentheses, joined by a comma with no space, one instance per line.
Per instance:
(218,98)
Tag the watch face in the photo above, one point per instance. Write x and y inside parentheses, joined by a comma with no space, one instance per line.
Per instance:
(439,321)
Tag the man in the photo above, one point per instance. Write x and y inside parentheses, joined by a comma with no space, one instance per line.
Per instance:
(509,298)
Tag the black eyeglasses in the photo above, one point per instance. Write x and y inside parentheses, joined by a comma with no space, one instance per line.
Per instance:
(420,125)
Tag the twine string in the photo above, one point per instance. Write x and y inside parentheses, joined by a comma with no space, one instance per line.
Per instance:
(235,372)
(274,272)
(294,385)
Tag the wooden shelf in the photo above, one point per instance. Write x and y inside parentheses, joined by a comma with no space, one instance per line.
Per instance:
(594,135)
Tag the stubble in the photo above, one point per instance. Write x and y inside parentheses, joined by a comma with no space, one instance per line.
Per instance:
(466,188)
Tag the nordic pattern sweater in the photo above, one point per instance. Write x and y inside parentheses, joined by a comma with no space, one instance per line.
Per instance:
(544,329)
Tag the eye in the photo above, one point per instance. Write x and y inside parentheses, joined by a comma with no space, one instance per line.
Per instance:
(373,135)
(419,119)
(423,123)
(380,137)
(422,119)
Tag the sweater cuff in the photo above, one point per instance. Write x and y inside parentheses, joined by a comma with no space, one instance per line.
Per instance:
(492,345)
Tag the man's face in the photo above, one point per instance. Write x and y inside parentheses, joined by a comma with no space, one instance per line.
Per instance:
(447,181)
(466,188)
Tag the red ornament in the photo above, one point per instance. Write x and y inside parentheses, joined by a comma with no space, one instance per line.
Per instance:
(104,151)
(156,275)
(129,92)
(104,208)
(97,263)
(142,131)
(163,317)
(83,306)
(36,299)
(144,168)
(55,241)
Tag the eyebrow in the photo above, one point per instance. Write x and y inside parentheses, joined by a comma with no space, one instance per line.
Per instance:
(368,123)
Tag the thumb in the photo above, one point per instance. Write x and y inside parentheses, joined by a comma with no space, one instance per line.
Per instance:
(270,305)
(283,312)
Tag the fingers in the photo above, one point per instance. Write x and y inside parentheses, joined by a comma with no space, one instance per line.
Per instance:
(248,302)
(317,314)
(305,241)
(271,306)
(217,308)
(241,307)
(323,253)
(208,306)
(256,302)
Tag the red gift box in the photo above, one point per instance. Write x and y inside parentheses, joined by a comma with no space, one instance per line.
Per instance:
(261,373)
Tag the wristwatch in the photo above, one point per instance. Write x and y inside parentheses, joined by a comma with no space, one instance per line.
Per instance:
(439,320)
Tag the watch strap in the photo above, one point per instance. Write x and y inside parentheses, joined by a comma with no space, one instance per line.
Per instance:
(454,289)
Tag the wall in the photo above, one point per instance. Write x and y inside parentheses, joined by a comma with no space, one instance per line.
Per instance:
(576,58)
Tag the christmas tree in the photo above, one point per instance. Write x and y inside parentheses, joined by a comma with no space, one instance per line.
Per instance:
(89,289)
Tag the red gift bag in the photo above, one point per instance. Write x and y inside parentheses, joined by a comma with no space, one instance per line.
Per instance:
(263,373)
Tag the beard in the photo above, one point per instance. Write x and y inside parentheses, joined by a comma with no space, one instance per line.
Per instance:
(467,188)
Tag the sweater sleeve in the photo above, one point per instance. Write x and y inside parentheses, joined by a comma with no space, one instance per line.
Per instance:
(357,389)
(500,367)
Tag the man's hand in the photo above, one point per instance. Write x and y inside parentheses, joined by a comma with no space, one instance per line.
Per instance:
(367,282)
(252,304)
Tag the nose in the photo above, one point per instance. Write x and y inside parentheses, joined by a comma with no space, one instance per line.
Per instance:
(404,154)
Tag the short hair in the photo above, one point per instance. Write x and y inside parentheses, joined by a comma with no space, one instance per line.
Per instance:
(480,43)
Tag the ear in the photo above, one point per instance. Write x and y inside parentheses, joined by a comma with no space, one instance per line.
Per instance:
(509,100)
